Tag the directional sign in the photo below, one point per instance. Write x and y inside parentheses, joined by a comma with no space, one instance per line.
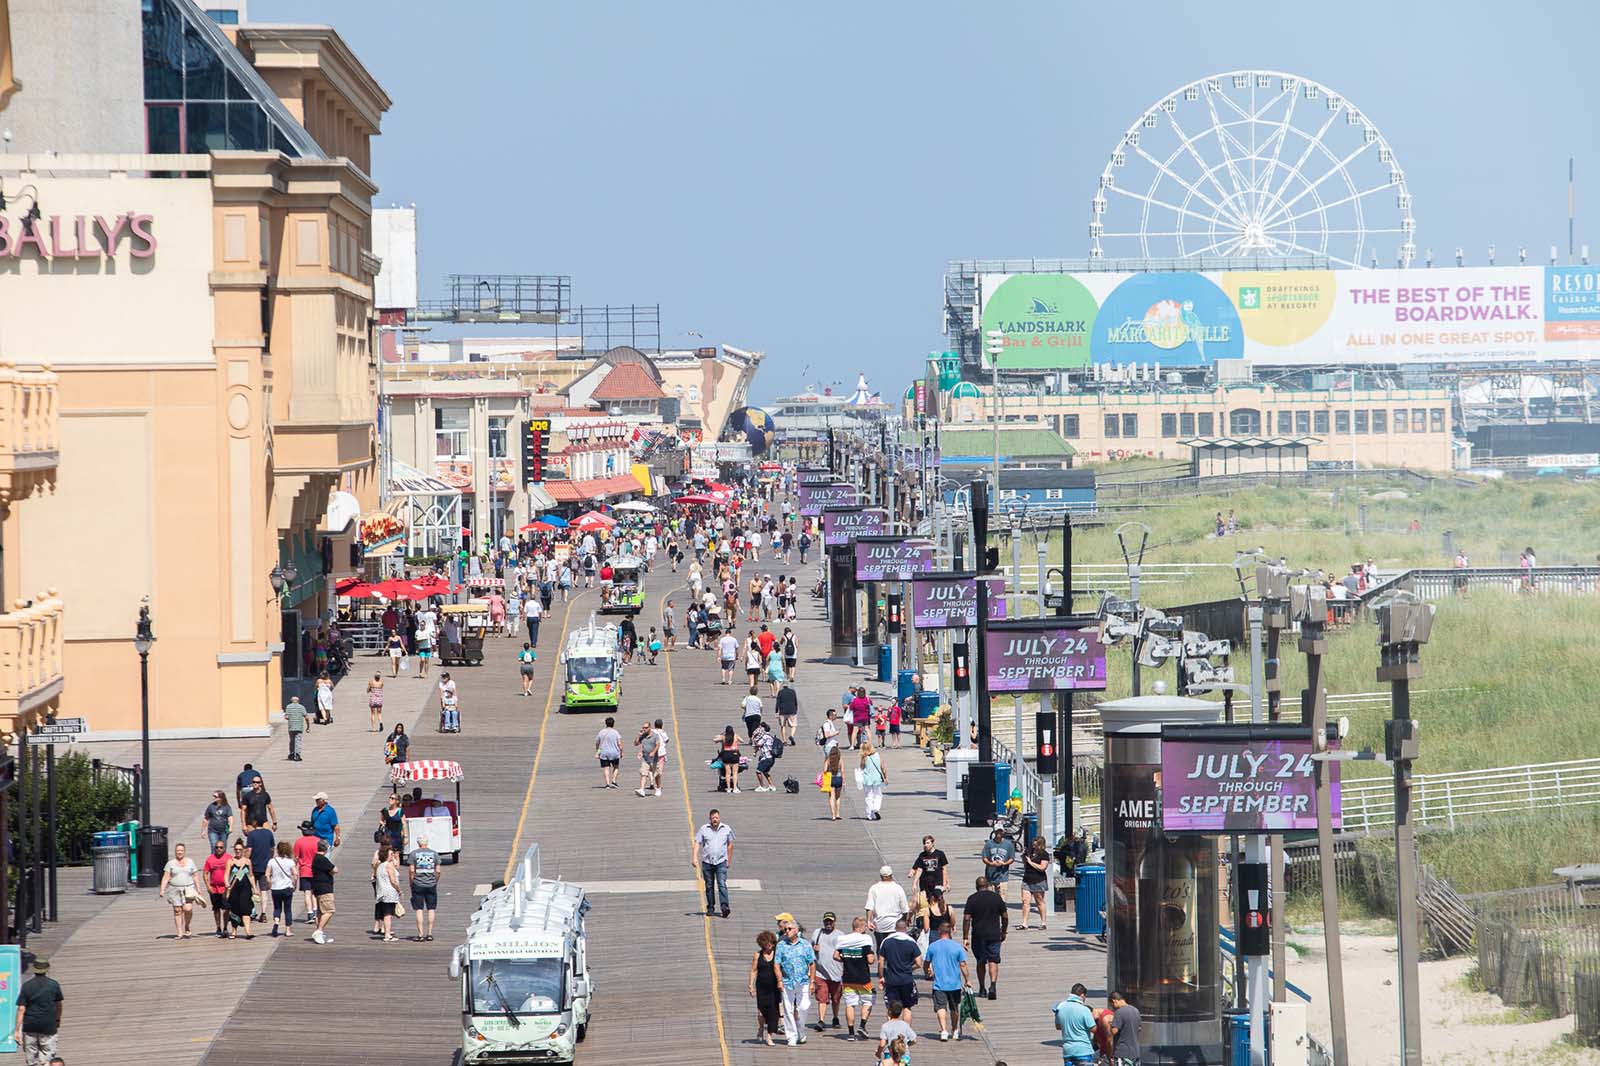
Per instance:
(64,727)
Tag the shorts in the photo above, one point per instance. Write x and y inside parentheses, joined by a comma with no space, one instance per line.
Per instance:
(385,910)
(764,766)
(727,664)
(527,669)
(424,653)
(219,902)
(325,903)
(826,989)
(611,763)
(755,601)
(985,949)
(424,897)
(305,884)
(858,996)
(905,995)
(947,999)
(894,729)
(754,672)
(1035,889)
(789,664)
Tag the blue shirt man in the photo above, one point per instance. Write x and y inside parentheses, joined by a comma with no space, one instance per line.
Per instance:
(1076,1022)
(795,959)
(945,956)
(325,820)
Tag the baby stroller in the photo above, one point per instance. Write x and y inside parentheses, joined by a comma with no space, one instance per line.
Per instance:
(712,623)
(715,765)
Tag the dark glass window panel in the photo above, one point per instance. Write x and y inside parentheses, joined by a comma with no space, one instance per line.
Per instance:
(202,70)
(163,52)
(223,17)
(1380,421)
(1341,422)
(1111,425)
(236,89)
(1169,424)
(163,132)
(1072,425)
(280,143)
(248,129)
(1302,422)
(207,127)
(1321,421)
(1186,424)
(1130,425)
(1285,423)
(1208,424)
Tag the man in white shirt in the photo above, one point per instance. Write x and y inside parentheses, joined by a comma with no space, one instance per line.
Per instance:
(829,731)
(886,904)
(727,655)
(534,609)
(752,713)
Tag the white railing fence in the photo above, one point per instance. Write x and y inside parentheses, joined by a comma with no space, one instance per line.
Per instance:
(1441,800)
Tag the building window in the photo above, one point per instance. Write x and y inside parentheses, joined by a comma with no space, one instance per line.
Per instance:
(1319,421)
(1244,422)
(1285,423)
(499,428)
(222,16)
(1130,425)
(450,433)
(1361,421)
(1169,425)
(1399,419)
(1436,420)
(1419,419)
(1380,421)
(1302,422)
(1069,426)
(1186,423)
(1208,424)
(1341,422)
(1112,426)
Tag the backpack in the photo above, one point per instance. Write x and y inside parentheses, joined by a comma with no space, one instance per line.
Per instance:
(777,747)
(791,786)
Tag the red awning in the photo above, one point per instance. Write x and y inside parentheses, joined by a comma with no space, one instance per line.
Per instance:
(589,489)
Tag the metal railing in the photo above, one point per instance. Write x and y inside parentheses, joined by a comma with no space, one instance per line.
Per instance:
(1440,800)
(1438,584)
(1031,786)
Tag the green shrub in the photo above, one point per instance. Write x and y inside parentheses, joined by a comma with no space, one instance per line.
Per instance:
(83,806)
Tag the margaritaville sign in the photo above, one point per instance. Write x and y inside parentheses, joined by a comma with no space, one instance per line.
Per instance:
(77,236)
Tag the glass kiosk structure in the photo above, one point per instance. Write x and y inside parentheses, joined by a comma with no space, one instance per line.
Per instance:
(1162,892)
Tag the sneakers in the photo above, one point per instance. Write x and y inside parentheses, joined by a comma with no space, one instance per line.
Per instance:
(658,792)
(318,937)
(642,792)
(736,790)
(993,992)
(943,1035)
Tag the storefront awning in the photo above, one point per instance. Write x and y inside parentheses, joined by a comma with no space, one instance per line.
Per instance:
(409,481)
(539,499)
(593,488)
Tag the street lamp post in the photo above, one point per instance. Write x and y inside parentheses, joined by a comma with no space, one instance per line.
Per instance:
(144,638)
(995,347)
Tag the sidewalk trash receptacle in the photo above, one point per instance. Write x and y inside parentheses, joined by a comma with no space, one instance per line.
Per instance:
(927,704)
(885,662)
(132,829)
(1030,828)
(905,685)
(1237,1031)
(1002,786)
(1089,906)
(108,852)
(153,853)
(956,763)
(979,794)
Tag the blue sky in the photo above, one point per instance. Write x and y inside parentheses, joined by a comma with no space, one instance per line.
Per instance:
(793,177)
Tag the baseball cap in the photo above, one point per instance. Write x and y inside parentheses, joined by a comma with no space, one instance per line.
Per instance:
(829,916)
(885,871)
(319,796)
(784,917)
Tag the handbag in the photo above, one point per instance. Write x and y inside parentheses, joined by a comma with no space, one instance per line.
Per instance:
(405,663)
(825,781)
(861,778)
(399,909)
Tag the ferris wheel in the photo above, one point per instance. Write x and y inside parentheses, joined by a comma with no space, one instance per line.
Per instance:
(1253,164)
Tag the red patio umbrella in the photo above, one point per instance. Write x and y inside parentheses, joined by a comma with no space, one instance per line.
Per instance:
(697,498)
(358,590)
(400,589)
(591,521)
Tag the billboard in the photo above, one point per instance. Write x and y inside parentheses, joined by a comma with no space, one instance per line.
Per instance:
(892,560)
(1293,317)
(813,498)
(1236,786)
(1045,660)
(844,526)
(952,602)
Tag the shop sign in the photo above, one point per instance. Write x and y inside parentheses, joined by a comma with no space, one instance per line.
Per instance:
(1045,660)
(1238,786)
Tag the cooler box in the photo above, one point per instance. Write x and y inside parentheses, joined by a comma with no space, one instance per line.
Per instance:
(1091,899)
(885,662)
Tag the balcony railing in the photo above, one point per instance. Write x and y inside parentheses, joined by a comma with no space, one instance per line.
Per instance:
(30,429)
(30,657)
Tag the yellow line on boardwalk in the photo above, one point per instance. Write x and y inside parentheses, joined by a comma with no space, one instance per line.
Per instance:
(544,724)
(688,814)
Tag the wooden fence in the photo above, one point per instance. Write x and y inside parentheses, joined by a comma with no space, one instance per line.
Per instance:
(1541,948)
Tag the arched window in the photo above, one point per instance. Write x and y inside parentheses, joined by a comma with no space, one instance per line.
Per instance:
(1244,422)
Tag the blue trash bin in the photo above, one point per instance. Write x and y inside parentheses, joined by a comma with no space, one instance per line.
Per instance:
(1030,828)
(1002,786)
(1091,899)
(885,662)
(927,704)
(1238,1034)
(906,686)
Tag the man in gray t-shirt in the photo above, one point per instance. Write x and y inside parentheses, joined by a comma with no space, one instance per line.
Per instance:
(649,744)
(1125,1031)
(424,886)
(997,855)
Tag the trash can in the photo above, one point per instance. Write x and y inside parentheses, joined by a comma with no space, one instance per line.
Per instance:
(885,662)
(1091,899)
(979,793)
(956,762)
(132,829)
(1236,1029)
(153,855)
(109,853)
(1030,828)
(1002,785)
(927,704)
(905,685)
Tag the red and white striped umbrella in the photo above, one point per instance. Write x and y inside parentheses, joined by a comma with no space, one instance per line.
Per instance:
(425,770)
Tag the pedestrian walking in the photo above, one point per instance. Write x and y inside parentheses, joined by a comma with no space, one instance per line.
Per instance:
(998,853)
(219,819)
(832,781)
(766,986)
(898,962)
(375,702)
(178,890)
(886,905)
(788,709)
(1075,1021)
(713,855)
(388,889)
(662,741)
(324,699)
(1035,880)
(873,777)
(984,921)
(305,850)
(215,872)
(727,654)
(753,659)
(855,952)
(325,820)
(283,876)
(424,887)
(764,744)
(791,651)
(39,1009)
(257,805)
(392,822)
(829,983)
(533,614)
(797,966)
(669,633)
(750,708)
(241,891)
(397,745)
(860,714)
(649,745)
(397,653)
(525,660)
(828,733)
(1125,1021)
(896,1034)
(608,749)
(948,961)
(294,717)
(260,845)
(323,872)
(775,675)
(931,870)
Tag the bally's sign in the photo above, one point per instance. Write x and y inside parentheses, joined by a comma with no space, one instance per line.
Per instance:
(843,525)
(892,560)
(78,236)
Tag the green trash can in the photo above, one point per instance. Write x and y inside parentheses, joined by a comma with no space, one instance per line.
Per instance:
(132,829)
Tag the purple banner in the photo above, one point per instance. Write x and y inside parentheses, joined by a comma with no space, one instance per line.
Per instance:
(842,527)
(892,561)
(1266,786)
(813,498)
(1045,660)
(952,602)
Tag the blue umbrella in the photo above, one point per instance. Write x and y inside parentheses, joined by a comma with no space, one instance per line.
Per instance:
(1549,471)
(554,520)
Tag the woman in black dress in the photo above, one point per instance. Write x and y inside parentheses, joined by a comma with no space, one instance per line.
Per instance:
(241,891)
(766,986)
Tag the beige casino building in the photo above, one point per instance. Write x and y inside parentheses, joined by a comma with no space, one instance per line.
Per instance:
(186,320)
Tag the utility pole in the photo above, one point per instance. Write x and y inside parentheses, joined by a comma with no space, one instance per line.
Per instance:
(1272,586)
(1255,851)
(980,654)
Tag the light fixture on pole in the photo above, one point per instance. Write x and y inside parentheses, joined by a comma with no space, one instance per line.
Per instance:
(144,638)
(995,347)
(283,578)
